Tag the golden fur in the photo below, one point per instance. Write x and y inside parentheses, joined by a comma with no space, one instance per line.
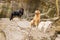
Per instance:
(36,19)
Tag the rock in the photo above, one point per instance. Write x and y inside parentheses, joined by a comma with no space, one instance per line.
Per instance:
(58,37)
(2,35)
(21,30)
(24,24)
(12,31)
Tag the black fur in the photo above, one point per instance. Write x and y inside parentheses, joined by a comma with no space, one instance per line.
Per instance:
(18,13)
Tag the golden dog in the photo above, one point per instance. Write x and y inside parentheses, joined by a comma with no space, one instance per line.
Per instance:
(36,19)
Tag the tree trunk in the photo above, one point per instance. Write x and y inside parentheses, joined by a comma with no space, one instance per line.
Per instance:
(57,7)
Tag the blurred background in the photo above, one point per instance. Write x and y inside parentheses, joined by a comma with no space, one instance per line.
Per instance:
(45,6)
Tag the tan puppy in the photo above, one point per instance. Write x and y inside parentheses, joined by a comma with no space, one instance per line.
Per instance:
(36,19)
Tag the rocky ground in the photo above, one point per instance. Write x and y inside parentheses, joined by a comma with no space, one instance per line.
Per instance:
(21,30)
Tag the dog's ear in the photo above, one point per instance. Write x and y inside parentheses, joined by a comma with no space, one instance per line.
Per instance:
(21,10)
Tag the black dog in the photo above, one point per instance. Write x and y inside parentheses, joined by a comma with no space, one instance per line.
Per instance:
(18,13)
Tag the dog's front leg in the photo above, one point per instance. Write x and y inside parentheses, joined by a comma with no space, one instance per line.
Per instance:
(36,25)
(45,29)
